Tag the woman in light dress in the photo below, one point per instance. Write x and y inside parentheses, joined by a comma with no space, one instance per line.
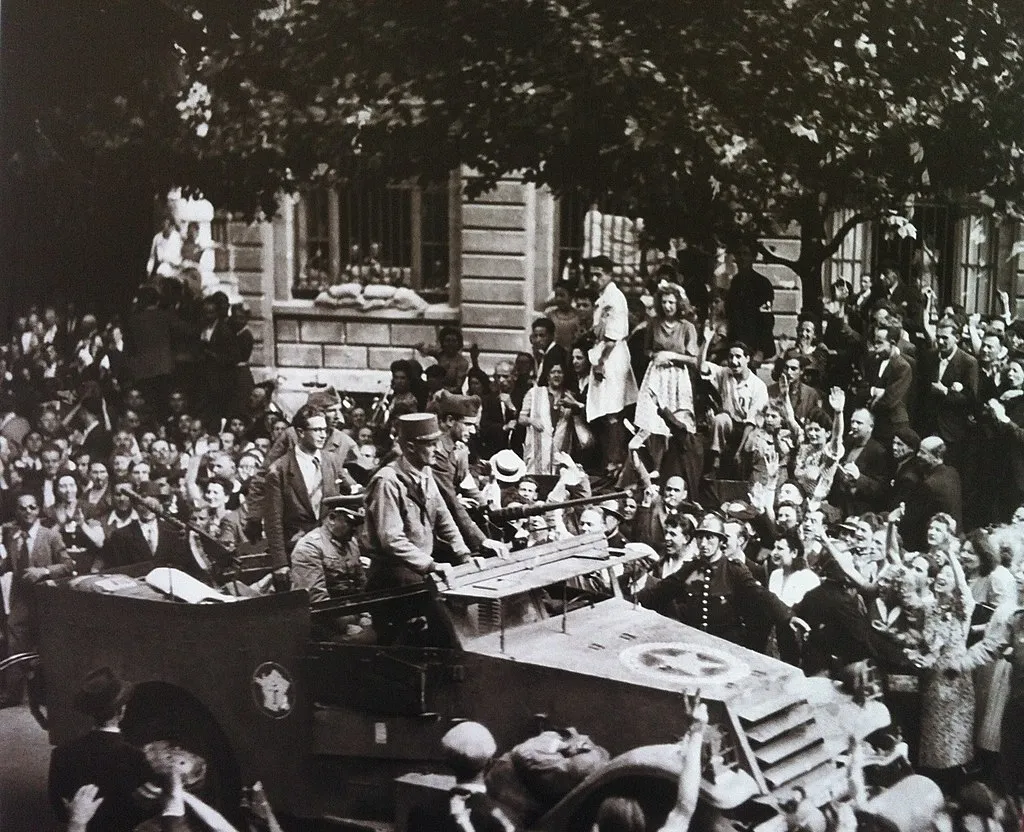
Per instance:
(671,345)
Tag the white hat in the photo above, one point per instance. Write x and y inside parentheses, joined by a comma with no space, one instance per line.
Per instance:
(507,466)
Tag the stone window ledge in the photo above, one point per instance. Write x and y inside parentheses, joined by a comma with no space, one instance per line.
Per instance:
(435,313)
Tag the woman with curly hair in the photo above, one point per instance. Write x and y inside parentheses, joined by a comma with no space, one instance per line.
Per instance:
(671,344)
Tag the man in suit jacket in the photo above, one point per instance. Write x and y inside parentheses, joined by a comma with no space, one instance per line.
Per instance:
(804,398)
(949,392)
(296,484)
(937,491)
(96,439)
(338,445)
(34,554)
(103,758)
(547,352)
(147,538)
(890,383)
(862,480)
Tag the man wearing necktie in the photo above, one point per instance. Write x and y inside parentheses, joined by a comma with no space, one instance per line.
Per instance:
(296,485)
(405,510)
(714,593)
(34,554)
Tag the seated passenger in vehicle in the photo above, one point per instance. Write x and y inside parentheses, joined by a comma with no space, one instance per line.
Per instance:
(329,562)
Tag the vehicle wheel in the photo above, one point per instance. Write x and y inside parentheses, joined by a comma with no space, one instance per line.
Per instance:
(158,711)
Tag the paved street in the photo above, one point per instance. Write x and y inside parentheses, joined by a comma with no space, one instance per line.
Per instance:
(24,756)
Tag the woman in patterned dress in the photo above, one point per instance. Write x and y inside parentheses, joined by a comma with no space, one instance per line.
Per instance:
(947,685)
(671,344)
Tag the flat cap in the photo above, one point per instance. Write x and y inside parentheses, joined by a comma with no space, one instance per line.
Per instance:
(469,743)
(453,404)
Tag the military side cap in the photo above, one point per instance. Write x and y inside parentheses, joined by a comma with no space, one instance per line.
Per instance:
(351,505)
(101,694)
(418,427)
(469,742)
(461,407)
(328,397)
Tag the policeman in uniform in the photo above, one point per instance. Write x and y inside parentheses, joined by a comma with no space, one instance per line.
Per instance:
(715,594)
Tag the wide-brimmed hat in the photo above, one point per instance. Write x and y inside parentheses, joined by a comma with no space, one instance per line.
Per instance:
(418,427)
(507,466)
(711,524)
(612,507)
(102,693)
(351,505)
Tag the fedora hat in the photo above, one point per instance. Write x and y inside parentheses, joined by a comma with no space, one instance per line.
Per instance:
(351,505)
(507,466)
(101,694)
(711,524)
(418,427)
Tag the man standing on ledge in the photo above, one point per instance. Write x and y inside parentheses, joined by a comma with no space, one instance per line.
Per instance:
(405,510)
(612,385)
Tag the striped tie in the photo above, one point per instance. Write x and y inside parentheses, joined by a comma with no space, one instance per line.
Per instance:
(316,493)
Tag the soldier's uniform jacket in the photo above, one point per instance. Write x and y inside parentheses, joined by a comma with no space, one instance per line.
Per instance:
(404,512)
(722,598)
(326,568)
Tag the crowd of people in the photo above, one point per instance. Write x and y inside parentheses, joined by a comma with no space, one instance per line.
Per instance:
(803,497)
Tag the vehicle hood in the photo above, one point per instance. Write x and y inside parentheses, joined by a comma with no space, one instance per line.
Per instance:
(616,640)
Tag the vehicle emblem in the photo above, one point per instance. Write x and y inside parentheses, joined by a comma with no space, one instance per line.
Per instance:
(273,690)
(689,664)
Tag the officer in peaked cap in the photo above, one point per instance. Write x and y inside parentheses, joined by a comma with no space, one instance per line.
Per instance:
(405,510)
(328,562)
(714,593)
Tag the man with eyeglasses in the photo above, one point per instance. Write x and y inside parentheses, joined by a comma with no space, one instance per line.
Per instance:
(33,553)
(296,485)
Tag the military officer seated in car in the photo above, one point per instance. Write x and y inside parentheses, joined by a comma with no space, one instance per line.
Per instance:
(330,561)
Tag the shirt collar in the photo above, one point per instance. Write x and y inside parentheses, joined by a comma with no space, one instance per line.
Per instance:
(304,455)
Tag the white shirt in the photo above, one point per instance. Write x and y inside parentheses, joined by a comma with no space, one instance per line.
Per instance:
(117,522)
(882,366)
(312,475)
(151,533)
(944,363)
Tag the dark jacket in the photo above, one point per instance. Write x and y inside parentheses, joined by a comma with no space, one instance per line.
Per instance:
(128,545)
(891,409)
(118,768)
(287,511)
(870,492)
(841,631)
(726,604)
(938,490)
(948,414)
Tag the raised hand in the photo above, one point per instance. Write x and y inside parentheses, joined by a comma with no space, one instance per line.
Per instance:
(837,399)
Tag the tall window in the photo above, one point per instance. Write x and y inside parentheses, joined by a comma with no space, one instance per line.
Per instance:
(398,235)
